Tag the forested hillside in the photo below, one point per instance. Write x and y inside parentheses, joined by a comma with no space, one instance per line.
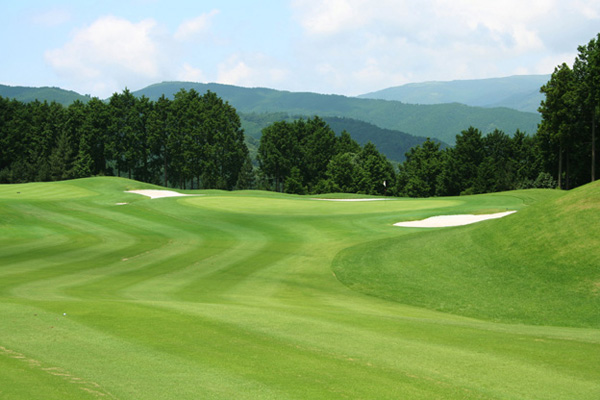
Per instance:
(521,92)
(391,143)
(50,94)
(442,121)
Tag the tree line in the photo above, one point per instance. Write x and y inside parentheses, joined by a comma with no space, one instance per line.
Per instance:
(305,156)
(196,141)
(570,114)
(192,141)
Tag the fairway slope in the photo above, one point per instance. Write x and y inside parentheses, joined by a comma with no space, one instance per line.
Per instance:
(539,266)
(231,295)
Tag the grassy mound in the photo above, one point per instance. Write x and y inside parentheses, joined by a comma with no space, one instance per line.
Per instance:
(107,294)
(538,266)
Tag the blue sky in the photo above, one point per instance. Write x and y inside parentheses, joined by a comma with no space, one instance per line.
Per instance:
(345,47)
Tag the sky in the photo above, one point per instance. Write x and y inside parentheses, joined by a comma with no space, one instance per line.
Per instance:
(347,47)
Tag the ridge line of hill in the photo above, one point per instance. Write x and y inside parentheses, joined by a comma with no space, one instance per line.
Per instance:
(439,121)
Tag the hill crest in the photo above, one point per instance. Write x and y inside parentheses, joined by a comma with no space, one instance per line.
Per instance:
(519,92)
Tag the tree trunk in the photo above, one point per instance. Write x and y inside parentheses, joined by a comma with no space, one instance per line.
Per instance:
(166,181)
(593,145)
(560,166)
(567,175)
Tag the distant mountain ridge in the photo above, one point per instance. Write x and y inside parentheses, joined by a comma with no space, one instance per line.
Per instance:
(440,121)
(27,94)
(393,144)
(519,92)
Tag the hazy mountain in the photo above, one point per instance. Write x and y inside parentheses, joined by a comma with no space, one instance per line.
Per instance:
(27,94)
(440,121)
(520,92)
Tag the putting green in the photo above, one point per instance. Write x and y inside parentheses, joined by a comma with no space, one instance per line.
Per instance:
(233,295)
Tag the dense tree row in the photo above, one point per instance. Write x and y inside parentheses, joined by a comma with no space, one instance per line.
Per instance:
(196,141)
(476,164)
(305,156)
(191,141)
(570,115)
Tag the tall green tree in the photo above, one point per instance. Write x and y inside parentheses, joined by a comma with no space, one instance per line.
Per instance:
(278,151)
(123,132)
(160,131)
(421,169)
(586,71)
(559,110)
(344,173)
(378,173)
(495,173)
(318,146)
(225,148)
(61,158)
(96,128)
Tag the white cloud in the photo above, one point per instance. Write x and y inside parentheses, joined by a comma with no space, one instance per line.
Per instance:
(192,27)
(251,70)
(110,52)
(332,16)
(191,74)
(398,41)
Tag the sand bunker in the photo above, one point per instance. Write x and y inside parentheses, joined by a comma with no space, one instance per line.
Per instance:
(443,221)
(351,199)
(157,194)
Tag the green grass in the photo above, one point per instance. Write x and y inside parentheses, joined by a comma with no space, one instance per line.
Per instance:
(539,266)
(236,295)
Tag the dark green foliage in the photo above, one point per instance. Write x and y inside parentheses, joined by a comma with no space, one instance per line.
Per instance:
(477,164)
(293,183)
(305,155)
(440,121)
(570,110)
(343,173)
(193,140)
(277,153)
(391,143)
(420,171)
(377,173)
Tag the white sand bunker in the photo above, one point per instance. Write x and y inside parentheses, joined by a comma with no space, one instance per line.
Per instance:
(443,221)
(157,194)
(351,199)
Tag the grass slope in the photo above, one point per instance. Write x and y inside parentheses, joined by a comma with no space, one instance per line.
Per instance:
(231,295)
(538,266)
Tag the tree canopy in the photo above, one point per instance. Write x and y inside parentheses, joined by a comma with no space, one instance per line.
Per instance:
(192,141)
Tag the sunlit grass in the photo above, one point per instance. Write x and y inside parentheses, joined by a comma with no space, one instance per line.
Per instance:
(232,295)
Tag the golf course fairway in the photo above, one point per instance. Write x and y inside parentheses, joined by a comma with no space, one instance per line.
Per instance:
(106,294)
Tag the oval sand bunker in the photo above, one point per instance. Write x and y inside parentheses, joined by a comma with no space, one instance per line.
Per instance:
(157,194)
(443,221)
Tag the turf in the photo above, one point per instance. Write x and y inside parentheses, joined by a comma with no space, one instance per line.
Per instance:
(246,295)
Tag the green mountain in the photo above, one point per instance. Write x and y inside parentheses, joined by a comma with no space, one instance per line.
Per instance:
(520,92)
(393,144)
(27,94)
(440,121)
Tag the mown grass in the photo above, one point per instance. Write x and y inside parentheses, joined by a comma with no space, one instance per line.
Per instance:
(539,266)
(232,295)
